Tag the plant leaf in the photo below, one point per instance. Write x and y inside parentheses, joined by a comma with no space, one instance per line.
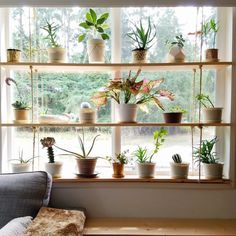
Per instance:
(94,15)
(81,37)
(84,25)
(105,36)
(91,148)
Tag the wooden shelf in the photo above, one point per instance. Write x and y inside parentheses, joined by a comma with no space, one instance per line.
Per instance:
(112,67)
(114,124)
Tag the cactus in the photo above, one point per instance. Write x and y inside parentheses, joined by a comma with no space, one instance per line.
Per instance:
(177,158)
(85,105)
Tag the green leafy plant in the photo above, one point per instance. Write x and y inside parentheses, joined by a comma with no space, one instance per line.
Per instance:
(177,158)
(204,153)
(177,109)
(209,30)
(48,142)
(51,29)
(120,158)
(205,100)
(21,159)
(178,41)
(142,154)
(83,154)
(141,36)
(94,25)
(20,104)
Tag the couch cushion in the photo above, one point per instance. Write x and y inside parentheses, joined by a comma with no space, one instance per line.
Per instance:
(23,194)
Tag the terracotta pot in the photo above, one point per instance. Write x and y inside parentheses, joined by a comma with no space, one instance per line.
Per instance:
(96,50)
(176,55)
(21,115)
(146,170)
(179,170)
(172,117)
(126,112)
(86,166)
(213,171)
(54,169)
(211,55)
(87,115)
(13,55)
(212,115)
(57,55)
(139,56)
(118,170)
(20,167)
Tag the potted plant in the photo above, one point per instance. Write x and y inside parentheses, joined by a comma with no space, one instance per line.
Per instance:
(209,31)
(176,53)
(87,115)
(21,164)
(146,168)
(143,40)
(85,163)
(174,115)
(95,30)
(129,93)
(53,167)
(13,55)
(213,169)
(56,53)
(21,107)
(178,169)
(211,114)
(118,163)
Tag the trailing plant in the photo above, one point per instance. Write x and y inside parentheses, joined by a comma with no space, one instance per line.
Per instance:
(51,29)
(204,153)
(205,100)
(120,158)
(129,90)
(142,154)
(210,29)
(141,36)
(20,104)
(178,41)
(94,25)
(177,158)
(21,158)
(48,142)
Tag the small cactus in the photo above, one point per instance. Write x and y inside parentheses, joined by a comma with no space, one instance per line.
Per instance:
(177,158)
(85,105)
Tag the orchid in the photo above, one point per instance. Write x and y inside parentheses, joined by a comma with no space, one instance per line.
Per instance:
(129,90)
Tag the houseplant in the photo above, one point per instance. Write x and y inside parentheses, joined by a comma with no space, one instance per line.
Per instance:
(52,167)
(174,115)
(209,31)
(95,30)
(143,40)
(211,114)
(205,154)
(129,94)
(118,163)
(178,169)
(176,53)
(21,107)
(85,163)
(56,53)
(146,168)
(86,113)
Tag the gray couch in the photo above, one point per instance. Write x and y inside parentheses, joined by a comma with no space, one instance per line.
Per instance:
(23,194)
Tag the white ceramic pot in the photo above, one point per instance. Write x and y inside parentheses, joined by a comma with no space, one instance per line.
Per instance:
(212,115)
(54,169)
(213,171)
(139,56)
(87,115)
(21,115)
(20,167)
(57,55)
(126,112)
(96,50)
(146,170)
(179,170)
(176,54)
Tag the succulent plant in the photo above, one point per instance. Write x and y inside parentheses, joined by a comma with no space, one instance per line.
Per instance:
(85,105)
(48,142)
(177,158)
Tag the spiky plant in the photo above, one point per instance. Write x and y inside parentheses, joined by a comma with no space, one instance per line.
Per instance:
(48,142)
(177,158)
(205,100)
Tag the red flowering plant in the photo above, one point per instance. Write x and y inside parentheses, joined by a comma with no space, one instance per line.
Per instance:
(131,91)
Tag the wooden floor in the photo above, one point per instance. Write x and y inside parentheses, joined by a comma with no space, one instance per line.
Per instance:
(109,226)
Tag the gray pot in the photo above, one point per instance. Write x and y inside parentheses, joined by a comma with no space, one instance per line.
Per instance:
(179,170)
(86,166)
(57,55)
(212,115)
(213,171)
(146,170)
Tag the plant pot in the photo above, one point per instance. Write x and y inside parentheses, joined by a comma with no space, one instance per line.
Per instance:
(57,55)
(96,50)
(21,115)
(13,55)
(118,170)
(211,55)
(20,167)
(213,171)
(126,112)
(139,56)
(54,169)
(87,115)
(176,55)
(86,167)
(179,170)
(212,115)
(146,170)
(172,117)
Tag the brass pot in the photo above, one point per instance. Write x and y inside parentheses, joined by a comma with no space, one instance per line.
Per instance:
(118,170)
(212,55)
(13,55)
(22,115)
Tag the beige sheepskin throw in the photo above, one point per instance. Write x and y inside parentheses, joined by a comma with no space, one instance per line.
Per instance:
(57,222)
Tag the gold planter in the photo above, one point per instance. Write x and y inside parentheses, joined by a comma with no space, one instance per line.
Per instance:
(13,55)
(22,115)
(118,170)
